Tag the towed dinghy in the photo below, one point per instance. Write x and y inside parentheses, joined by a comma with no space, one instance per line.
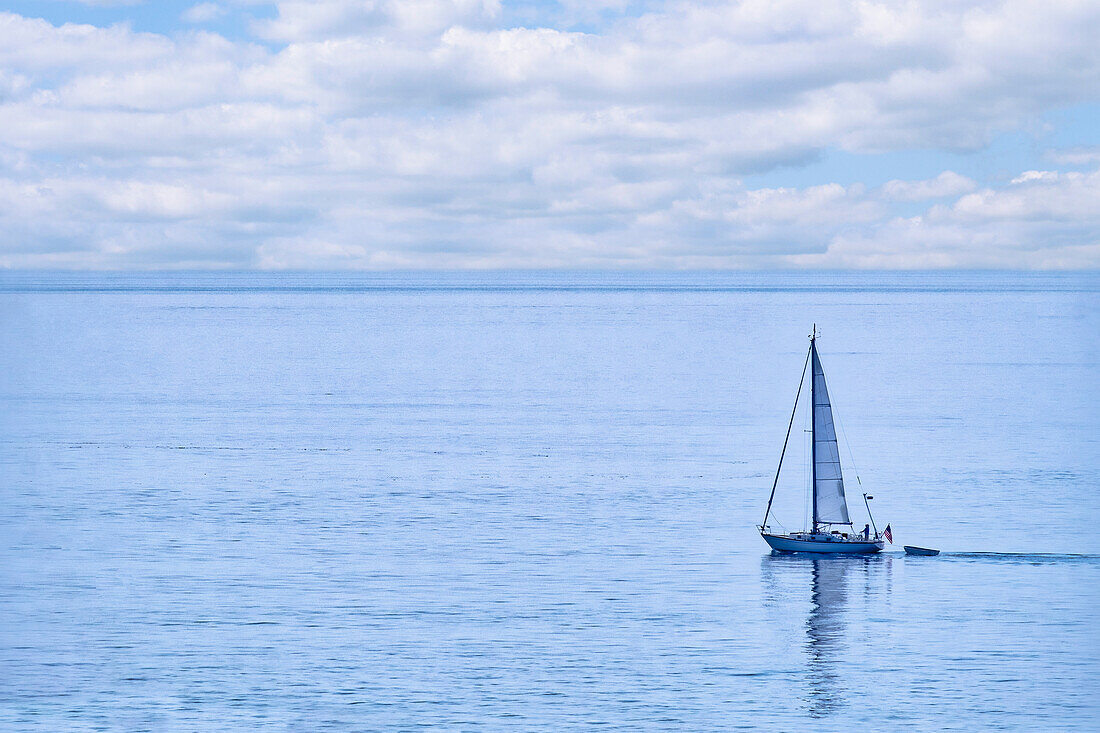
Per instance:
(914,550)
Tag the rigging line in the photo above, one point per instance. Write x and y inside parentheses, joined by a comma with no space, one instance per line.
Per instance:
(784,451)
(781,526)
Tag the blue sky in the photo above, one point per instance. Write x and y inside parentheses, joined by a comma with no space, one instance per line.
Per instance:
(382,134)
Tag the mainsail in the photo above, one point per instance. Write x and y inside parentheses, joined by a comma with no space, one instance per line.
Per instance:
(829,504)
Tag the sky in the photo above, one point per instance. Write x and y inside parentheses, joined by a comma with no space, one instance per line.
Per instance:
(454,134)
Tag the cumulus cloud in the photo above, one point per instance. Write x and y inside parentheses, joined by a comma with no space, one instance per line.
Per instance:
(945,184)
(109,3)
(424,133)
(203,13)
(1036,221)
(49,53)
(1078,155)
(324,20)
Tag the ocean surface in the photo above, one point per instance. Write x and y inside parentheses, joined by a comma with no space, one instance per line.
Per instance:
(527,501)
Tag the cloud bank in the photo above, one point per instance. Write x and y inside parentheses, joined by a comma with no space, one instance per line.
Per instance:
(431,133)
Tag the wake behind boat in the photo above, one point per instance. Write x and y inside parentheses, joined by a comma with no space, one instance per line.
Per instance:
(830,508)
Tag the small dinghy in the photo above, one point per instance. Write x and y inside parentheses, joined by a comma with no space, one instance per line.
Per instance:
(911,550)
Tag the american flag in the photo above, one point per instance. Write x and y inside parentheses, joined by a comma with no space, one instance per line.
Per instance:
(886,533)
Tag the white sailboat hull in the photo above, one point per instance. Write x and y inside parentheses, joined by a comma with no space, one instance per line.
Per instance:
(823,544)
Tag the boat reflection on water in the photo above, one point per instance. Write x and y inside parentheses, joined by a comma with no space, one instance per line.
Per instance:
(825,632)
(831,580)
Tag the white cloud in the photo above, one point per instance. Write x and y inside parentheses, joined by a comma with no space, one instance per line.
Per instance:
(33,46)
(109,3)
(1079,155)
(1044,196)
(324,20)
(419,133)
(203,13)
(1030,176)
(1037,221)
(945,184)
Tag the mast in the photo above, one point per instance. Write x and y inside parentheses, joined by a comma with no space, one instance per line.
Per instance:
(813,426)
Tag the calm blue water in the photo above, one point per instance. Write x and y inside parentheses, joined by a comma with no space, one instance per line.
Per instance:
(527,502)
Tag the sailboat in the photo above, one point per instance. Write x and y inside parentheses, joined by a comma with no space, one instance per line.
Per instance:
(827,532)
